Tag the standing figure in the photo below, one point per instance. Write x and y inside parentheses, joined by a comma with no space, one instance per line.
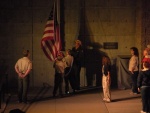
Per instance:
(69,72)
(146,55)
(144,86)
(77,53)
(134,68)
(106,78)
(59,66)
(23,68)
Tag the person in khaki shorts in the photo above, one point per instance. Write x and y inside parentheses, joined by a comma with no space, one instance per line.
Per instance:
(23,67)
(106,78)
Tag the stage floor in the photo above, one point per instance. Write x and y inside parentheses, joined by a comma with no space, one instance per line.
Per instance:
(84,101)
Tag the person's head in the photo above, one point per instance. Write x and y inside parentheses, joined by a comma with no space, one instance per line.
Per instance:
(68,52)
(146,51)
(134,51)
(106,60)
(146,64)
(60,55)
(78,43)
(26,53)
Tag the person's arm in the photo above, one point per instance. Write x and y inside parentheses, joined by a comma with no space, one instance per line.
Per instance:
(26,73)
(73,52)
(133,64)
(28,70)
(17,71)
(139,81)
(109,78)
(108,75)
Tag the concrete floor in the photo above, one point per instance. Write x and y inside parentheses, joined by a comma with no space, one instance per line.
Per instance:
(84,101)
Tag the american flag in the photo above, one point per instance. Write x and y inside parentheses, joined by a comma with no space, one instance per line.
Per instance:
(51,42)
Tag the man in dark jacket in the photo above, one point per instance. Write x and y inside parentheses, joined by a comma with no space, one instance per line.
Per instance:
(144,86)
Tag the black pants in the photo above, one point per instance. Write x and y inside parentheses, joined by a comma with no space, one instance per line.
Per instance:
(134,77)
(77,69)
(70,78)
(58,83)
(145,93)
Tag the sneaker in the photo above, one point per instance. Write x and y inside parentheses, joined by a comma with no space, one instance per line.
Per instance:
(143,112)
(131,93)
(104,99)
(67,92)
(107,101)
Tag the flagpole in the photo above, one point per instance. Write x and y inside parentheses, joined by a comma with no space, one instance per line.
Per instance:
(32,39)
(58,10)
(58,15)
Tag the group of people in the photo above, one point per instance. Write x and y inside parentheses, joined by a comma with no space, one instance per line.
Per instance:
(141,78)
(67,68)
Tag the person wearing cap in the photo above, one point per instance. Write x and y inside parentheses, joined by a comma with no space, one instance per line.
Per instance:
(23,67)
(59,66)
(69,76)
(77,53)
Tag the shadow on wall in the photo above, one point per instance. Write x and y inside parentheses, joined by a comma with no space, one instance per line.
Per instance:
(114,73)
(92,54)
(93,64)
(92,60)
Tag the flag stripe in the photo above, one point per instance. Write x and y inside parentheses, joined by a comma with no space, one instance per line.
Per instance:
(48,31)
(48,50)
(51,47)
(47,54)
(48,35)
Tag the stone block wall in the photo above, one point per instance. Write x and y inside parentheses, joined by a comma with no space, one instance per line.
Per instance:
(94,22)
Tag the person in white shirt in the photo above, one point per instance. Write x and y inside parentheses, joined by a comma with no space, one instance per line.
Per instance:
(69,73)
(134,68)
(59,66)
(23,68)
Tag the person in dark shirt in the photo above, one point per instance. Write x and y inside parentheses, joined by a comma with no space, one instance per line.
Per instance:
(144,87)
(69,75)
(77,53)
